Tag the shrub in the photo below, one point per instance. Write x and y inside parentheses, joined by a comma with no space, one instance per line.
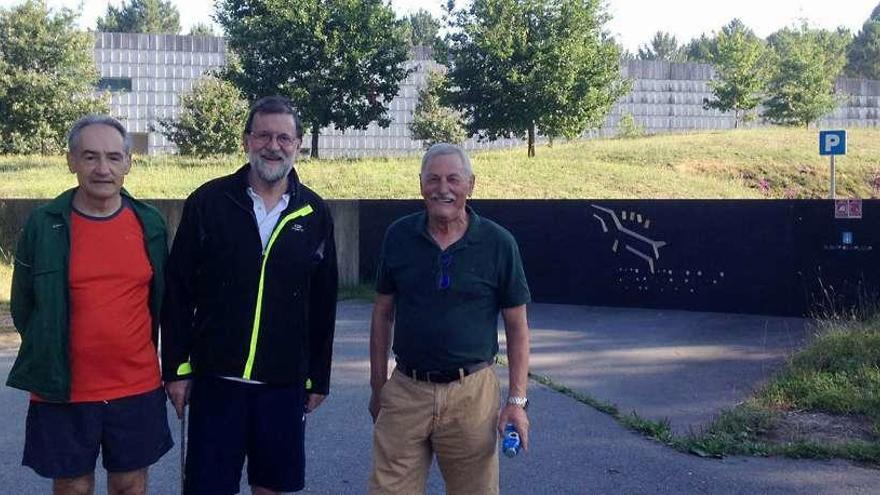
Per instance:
(628,128)
(211,119)
(432,122)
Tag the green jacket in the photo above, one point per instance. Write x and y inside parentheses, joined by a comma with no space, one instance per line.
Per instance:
(40,293)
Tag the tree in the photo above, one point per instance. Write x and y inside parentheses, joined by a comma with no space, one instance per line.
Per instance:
(432,122)
(141,16)
(741,72)
(202,29)
(663,46)
(522,66)
(699,50)
(211,119)
(47,77)
(863,57)
(340,61)
(625,54)
(704,49)
(806,65)
(423,28)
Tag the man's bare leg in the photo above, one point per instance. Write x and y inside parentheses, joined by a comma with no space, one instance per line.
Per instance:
(259,490)
(127,483)
(83,485)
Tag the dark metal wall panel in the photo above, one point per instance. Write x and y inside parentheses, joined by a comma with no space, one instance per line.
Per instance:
(734,256)
(831,274)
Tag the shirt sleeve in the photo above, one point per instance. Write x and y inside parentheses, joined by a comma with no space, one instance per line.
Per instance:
(514,290)
(22,296)
(384,279)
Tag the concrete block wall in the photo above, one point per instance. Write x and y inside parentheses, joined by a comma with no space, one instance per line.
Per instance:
(396,139)
(668,97)
(859,106)
(665,97)
(161,67)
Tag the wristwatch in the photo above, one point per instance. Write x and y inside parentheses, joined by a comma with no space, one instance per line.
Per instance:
(522,402)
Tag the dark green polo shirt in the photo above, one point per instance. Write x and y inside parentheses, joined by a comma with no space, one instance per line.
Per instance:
(447,302)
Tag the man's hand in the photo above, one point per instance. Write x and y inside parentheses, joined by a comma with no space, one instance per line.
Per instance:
(178,393)
(381,335)
(313,401)
(516,416)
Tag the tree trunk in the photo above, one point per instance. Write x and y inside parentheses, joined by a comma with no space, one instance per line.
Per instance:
(314,151)
(531,139)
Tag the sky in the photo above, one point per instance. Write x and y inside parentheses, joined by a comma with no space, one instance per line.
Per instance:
(633,23)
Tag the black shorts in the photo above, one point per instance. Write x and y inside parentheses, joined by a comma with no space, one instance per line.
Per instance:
(63,440)
(229,420)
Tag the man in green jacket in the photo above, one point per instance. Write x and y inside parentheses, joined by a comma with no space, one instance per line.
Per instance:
(86,289)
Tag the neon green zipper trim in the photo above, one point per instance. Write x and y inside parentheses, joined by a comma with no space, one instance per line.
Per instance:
(184,369)
(255,331)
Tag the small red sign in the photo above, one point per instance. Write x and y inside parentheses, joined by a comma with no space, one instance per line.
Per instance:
(855,208)
(848,208)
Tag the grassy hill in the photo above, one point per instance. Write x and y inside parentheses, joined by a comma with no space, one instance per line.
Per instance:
(756,163)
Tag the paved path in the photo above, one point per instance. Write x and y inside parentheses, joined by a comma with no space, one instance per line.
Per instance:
(679,365)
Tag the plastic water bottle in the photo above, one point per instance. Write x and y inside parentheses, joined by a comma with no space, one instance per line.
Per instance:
(510,445)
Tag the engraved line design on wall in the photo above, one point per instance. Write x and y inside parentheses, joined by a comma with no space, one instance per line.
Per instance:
(636,242)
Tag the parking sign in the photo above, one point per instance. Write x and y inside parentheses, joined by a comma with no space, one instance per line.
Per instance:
(832,143)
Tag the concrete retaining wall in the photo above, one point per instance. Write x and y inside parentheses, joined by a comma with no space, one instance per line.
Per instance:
(14,213)
(787,257)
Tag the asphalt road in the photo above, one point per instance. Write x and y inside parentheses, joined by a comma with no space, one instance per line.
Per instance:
(632,357)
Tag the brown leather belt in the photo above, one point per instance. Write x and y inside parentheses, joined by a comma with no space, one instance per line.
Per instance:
(442,376)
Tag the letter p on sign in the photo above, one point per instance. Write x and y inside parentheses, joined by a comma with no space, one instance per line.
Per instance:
(832,142)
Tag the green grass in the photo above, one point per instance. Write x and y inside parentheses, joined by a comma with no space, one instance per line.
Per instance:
(729,164)
(599,405)
(742,431)
(838,373)
(362,292)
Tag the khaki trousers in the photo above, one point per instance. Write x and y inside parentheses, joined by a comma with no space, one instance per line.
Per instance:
(456,421)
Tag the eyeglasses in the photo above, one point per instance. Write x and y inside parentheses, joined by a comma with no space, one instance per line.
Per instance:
(264,138)
(445,280)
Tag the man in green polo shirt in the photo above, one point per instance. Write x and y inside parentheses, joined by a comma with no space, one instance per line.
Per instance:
(444,276)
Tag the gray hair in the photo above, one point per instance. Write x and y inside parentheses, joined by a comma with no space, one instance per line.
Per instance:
(440,149)
(78,126)
(274,104)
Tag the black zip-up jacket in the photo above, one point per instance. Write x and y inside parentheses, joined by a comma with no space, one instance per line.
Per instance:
(231,308)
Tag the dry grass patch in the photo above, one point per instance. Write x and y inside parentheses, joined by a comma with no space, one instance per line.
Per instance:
(817,427)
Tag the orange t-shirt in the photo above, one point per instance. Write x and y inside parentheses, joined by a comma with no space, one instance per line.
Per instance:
(112,354)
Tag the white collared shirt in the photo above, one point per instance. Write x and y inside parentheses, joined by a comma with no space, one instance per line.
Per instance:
(266,220)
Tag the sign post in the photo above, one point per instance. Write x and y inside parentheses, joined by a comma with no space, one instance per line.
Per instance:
(832,143)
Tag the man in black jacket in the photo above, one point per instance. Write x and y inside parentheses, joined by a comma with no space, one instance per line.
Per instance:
(249,315)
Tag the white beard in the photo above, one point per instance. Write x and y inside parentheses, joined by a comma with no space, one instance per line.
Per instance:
(267,172)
